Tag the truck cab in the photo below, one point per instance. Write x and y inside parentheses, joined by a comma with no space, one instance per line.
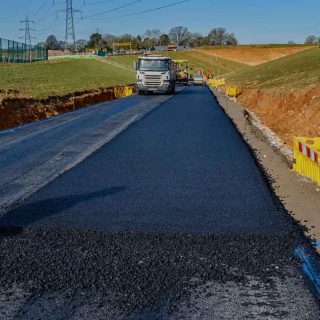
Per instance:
(155,73)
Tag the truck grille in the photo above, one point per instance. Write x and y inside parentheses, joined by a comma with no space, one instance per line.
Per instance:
(153,80)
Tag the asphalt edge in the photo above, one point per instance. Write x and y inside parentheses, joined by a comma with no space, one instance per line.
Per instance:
(306,253)
(11,200)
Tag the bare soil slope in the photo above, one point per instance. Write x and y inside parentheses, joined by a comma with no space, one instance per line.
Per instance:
(289,113)
(252,56)
(284,93)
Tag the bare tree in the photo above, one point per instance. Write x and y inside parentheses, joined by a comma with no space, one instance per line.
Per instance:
(152,34)
(230,39)
(312,40)
(52,43)
(216,36)
(164,40)
(219,36)
(179,35)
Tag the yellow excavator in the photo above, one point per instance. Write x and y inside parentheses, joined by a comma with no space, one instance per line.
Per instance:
(182,69)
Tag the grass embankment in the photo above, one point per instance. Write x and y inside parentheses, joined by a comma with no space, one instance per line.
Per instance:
(60,77)
(294,71)
(35,91)
(196,58)
(285,93)
(253,55)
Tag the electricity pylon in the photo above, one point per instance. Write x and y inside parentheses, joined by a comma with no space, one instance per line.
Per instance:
(27,29)
(70,30)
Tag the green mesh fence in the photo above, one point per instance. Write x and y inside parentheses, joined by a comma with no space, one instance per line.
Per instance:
(12,51)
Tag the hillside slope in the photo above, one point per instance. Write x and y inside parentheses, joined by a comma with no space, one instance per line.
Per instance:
(195,58)
(295,71)
(253,55)
(285,93)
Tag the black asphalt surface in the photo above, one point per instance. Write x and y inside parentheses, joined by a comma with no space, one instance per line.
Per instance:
(173,219)
(33,155)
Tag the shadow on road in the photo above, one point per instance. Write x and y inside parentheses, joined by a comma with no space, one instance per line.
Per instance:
(31,212)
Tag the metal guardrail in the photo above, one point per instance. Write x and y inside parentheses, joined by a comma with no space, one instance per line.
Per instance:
(17,52)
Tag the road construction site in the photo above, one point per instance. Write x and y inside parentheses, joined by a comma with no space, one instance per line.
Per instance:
(171,219)
(158,207)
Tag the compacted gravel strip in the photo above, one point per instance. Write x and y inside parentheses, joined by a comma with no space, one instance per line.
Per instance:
(138,274)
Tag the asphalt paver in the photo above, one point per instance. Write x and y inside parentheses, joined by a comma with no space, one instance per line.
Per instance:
(173,219)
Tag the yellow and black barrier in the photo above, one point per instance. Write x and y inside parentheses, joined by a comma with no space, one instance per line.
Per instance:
(125,91)
(232,91)
(215,83)
(307,157)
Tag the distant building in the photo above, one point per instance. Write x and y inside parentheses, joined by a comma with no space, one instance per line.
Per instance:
(172,47)
(56,53)
(161,48)
(180,48)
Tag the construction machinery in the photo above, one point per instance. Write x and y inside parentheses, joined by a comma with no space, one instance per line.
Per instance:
(199,78)
(182,71)
(156,73)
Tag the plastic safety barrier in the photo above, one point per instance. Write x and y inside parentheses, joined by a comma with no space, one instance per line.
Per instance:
(126,91)
(307,157)
(216,82)
(232,91)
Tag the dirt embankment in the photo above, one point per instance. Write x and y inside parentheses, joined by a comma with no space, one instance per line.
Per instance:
(253,56)
(288,112)
(15,111)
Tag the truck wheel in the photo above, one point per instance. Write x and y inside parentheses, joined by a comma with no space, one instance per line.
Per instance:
(141,92)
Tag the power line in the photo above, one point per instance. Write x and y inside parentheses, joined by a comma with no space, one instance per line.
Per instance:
(114,9)
(27,35)
(41,7)
(49,26)
(47,13)
(70,25)
(145,11)
(97,2)
(151,10)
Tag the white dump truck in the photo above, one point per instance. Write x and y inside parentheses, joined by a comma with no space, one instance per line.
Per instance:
(156,73)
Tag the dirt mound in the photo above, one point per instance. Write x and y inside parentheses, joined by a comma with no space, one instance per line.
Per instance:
(16,111)
(289,113)
(253,55)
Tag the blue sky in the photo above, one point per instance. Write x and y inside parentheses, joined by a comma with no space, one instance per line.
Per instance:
(253,21)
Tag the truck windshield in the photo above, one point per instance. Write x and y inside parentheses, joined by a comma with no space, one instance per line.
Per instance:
(153,65)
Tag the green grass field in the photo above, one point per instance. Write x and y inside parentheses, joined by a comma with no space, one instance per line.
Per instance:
(60,77)
(295,71)
(195,58)
(128,60)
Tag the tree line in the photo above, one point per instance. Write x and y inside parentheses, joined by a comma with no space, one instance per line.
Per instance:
(180,35)
(312,40)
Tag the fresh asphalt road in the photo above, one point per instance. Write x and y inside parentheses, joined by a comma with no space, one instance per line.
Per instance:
(172,219)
